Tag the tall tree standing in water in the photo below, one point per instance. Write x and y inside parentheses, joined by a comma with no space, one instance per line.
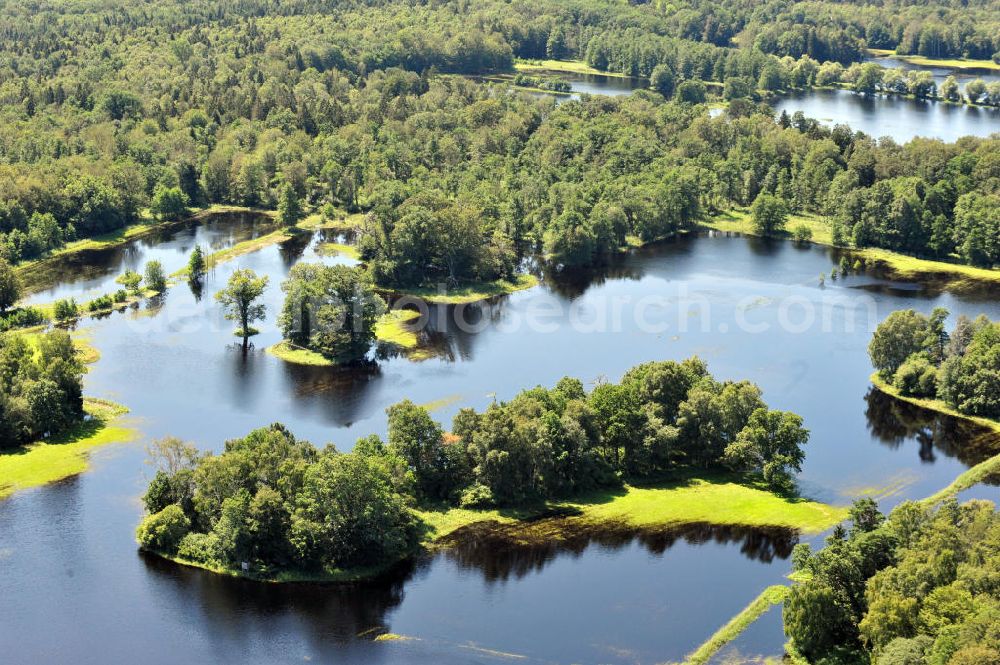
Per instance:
(240,300)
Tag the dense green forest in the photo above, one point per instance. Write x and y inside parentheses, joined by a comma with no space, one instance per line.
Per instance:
(917,588)
(277,502)
(148,109)
(41,388)
(921,359)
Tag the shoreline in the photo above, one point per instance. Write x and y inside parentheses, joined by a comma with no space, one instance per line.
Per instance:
(971,476)
(28,270)
(958,277)
(65,454)
(717,500)
(465,294)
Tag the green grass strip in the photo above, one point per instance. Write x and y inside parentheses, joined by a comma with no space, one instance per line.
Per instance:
(63,455)
(769,597)
(970,477)
(471,292)
(957,275)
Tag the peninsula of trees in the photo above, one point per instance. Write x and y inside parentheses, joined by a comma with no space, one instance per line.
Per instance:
(281,505)
(917,355)
(41,387)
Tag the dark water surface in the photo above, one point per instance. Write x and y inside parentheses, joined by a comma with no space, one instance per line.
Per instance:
(73,588)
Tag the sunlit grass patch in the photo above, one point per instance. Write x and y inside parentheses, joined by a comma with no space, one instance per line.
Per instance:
(298,355)
(739,221)
(391,327)
(332,248)
(346,222)
(571,66)
(472,292)
(908,267)
(63,455)
(771,596)
(710,501)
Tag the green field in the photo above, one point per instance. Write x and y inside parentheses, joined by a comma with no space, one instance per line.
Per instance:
(63,455)
(471,292)
(738,221)
(715,501)
(569,66)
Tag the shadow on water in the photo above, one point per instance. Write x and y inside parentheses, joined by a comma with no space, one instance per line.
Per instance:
(340,613)
(895,422)
(501,551)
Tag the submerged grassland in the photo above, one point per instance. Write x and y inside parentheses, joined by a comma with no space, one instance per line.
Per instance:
(568,66)
(772,595)
(391,328)
(65,454)
(472,291)
(718,501)
(955,276)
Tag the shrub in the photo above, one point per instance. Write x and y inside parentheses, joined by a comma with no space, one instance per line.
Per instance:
(65,310)
(22,318)
(163,531)
(802,233)
(199,547)
(101,303)
(916,376)
(477,496)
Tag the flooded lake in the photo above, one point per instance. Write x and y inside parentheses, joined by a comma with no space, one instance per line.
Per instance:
(899,118)
(896,117)
(75,587)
